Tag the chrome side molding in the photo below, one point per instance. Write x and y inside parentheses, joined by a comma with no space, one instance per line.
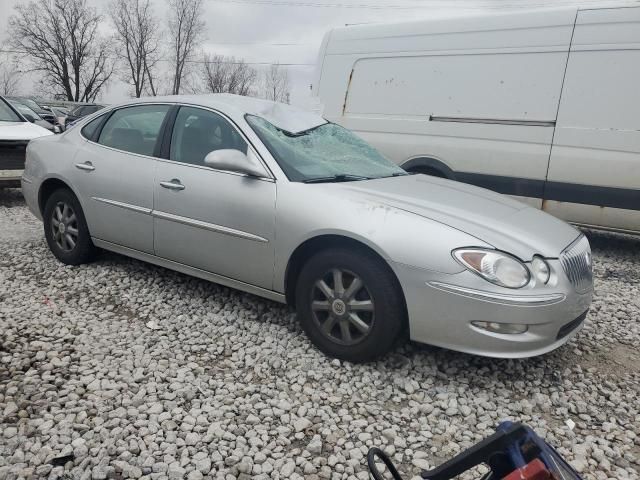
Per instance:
(184,220)
(208,226)
(126,206)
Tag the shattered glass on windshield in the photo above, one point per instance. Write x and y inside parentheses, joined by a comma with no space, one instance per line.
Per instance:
(327,152)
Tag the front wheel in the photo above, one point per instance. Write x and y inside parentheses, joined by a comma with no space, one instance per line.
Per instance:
(66,230)
(350,305)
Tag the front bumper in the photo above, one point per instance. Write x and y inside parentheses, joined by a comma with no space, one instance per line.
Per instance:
(10,178)
(12,157)
(442,307)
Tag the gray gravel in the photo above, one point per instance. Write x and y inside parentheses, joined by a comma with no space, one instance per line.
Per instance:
(227,386)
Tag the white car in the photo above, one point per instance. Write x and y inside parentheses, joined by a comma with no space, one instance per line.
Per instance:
(15,133)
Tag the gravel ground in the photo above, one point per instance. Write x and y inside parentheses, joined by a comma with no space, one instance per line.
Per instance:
(227,386)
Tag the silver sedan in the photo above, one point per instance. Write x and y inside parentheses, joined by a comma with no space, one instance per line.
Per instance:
(278,202)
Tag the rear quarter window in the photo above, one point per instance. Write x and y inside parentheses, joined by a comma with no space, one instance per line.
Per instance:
(91,109)
(90,130)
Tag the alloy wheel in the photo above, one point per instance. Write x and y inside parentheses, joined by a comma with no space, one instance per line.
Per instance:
(64,226)
(342,307)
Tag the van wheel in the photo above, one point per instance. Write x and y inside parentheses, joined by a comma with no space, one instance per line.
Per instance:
(66,230)
(350,305)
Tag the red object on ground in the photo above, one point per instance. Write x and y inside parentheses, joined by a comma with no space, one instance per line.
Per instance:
(534,470)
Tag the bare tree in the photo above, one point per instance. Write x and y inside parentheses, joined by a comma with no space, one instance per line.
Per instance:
(61,39)
(137,37)
(186,30)
(214,73)
(10,77)
(275,84)
(242,78)
(222,74)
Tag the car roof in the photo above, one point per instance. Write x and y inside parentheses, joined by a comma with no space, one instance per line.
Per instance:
(283,116)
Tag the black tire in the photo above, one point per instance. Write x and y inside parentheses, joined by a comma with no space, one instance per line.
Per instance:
(82,250)
(385,322)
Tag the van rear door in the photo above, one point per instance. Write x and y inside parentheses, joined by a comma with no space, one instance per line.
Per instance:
(594,172)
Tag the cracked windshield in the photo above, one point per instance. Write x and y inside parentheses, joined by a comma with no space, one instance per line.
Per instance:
(327,152)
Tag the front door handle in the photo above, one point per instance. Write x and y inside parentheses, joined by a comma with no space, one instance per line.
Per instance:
(173,185)
(88,166)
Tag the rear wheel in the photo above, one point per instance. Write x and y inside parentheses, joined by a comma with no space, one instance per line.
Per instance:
(66,230)
(349,304)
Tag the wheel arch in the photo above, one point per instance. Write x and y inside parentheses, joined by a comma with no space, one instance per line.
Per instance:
(430,166)
(47,187)
(318,243)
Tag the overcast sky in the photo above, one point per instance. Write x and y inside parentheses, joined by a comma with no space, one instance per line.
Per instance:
(290,31)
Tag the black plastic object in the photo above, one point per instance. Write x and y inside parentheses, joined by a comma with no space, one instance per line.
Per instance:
(510,448)
(371,462)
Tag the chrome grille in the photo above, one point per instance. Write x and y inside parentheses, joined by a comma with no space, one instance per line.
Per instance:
(576,262)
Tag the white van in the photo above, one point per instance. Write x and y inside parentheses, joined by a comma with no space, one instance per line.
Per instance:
(540,105)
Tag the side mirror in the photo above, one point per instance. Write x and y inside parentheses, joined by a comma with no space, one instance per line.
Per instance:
(235,161)
(29,117)
(57,129)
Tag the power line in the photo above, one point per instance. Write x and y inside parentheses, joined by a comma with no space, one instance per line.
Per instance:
(263,44)
(21,52)
(250,63)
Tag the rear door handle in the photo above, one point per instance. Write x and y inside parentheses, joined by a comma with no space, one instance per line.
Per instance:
(85,166)
(173,185)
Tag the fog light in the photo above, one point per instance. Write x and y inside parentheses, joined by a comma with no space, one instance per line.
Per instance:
(507,328)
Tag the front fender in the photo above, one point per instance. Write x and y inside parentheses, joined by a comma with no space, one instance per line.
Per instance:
(397,236)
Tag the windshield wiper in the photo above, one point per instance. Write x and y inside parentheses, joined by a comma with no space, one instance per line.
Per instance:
(336,178)
(301,133)
(397,174)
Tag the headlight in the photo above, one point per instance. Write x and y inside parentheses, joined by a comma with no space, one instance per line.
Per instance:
(540,269)
(496,267)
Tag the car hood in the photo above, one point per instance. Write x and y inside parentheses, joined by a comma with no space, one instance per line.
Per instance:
(495,219)
(44,124)
(21,131)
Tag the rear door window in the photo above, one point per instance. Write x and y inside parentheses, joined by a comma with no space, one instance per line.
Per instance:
(134,129)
